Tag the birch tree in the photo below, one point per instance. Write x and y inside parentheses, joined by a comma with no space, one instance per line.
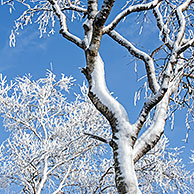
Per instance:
(168,68)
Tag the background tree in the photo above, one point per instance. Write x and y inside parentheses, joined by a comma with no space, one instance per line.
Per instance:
(61,146)
(47,151)
(168,68)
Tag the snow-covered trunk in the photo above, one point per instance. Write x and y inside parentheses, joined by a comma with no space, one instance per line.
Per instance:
(123,136)
(125,176)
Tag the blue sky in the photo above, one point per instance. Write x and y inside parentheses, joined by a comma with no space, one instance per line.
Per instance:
(34,55)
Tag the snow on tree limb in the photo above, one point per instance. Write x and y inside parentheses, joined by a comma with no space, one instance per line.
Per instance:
(148,105)
(36,161)
(127,11)
(152,135)
(185,46)
(153,83)
(163,27)
(63,23)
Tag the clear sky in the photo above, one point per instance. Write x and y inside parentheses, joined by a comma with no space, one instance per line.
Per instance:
(34,55)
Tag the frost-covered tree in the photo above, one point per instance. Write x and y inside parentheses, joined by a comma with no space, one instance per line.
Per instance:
(168,68)
(61,146)
(47,150)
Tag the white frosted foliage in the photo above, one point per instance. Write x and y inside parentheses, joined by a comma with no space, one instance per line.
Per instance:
(47,145)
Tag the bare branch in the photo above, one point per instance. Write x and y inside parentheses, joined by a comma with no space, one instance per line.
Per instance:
(185,46)
(77,154)
(103,14)
(101,179)
(156,50)
(189,75)
(97,137)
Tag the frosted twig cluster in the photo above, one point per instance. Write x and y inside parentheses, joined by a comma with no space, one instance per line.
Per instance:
(47,148)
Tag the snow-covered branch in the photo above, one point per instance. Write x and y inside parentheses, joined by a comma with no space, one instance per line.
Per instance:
(92,8)
(43,104)
(70,138)
(185,46)
(63,23)
(129,10)
(68,158)
(44,175)
(123,135)
(152,135)
(148,105)
(181,22)
(153,83)
(74,8)
(61,185)
(100,95)
(166,165)
(162,27)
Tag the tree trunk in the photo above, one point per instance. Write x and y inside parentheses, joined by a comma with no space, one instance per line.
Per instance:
(123,137)
(125,176)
